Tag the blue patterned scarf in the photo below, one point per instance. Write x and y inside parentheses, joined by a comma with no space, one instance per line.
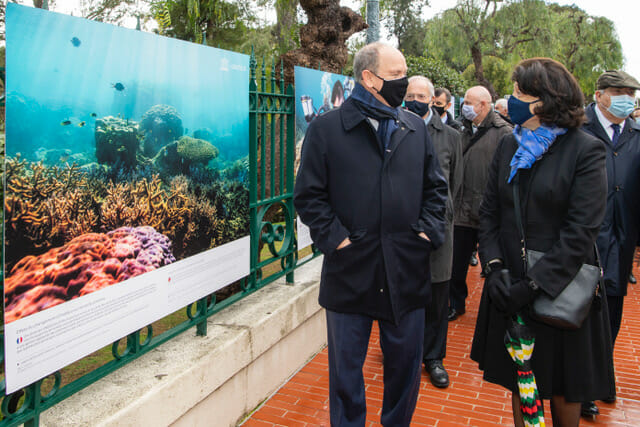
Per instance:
(369,106)
(532,145)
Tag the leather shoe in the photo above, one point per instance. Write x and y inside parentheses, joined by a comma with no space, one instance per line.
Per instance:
(474,260)
(632,279)
(437,374)
(589,409)
(454,314)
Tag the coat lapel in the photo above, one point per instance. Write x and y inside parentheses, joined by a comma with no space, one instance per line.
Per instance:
(404,127)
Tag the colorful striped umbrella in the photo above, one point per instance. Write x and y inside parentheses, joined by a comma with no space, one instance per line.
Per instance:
(520,340)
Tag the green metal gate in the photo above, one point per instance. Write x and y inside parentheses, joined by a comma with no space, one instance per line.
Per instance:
(273,245)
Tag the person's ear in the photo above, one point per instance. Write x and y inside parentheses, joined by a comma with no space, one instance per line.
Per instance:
(369,79)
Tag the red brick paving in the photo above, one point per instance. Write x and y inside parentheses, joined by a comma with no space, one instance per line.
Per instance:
(468,401)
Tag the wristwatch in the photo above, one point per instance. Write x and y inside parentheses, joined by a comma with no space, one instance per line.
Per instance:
(493,265)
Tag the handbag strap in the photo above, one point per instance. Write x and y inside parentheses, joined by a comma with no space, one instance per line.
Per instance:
(516,205)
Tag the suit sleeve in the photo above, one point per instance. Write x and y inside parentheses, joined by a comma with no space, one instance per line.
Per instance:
(311,194)
(456,170)
(586,209)
(434,196)
(489,232)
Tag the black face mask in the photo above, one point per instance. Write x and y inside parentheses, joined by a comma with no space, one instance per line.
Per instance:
(393,91)
(420,108)
(439,109)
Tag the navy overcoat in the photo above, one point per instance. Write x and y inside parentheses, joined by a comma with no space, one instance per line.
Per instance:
(349,186)
(619,231)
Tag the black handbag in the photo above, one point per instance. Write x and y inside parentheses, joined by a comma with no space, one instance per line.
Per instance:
(569,309)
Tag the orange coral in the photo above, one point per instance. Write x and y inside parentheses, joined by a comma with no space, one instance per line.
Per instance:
(86,264)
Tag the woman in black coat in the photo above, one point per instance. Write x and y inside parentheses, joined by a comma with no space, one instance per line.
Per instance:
(562,181)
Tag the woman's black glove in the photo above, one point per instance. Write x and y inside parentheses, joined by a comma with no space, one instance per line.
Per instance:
(496,288)
(511,299)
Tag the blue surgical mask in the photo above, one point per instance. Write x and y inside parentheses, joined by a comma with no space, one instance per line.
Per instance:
(621,106)
(420,108)
(519,111)
(638,120)
(468,112)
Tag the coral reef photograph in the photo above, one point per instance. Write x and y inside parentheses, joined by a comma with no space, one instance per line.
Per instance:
(116,169)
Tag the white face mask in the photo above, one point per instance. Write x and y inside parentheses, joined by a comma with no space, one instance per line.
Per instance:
(468,112)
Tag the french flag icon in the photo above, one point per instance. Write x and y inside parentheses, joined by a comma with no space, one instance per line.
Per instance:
(19,340)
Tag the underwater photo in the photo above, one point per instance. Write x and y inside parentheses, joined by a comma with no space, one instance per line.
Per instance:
(125,152)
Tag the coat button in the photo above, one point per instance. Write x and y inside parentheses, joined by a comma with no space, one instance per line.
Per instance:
(615,153)
(381,291)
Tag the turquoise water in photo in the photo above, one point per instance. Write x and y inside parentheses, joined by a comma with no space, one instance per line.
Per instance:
(64,73)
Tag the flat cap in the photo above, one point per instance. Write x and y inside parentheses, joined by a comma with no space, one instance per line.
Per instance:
(616,78)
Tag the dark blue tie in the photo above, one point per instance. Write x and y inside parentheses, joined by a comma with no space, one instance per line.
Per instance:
(616,134)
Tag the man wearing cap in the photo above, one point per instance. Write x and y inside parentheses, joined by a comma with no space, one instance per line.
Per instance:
(608,119)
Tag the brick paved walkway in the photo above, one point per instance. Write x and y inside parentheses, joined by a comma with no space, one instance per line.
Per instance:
(468,401)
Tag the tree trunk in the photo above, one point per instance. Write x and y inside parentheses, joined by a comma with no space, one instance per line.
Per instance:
(476,55)
(323,38)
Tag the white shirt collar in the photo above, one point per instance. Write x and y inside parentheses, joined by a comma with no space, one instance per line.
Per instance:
(606,123)
(428,118)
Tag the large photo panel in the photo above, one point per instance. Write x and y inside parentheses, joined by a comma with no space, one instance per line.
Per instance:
(316,92)
(126,183)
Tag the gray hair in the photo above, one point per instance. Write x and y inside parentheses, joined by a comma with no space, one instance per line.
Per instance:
(502,102)
(366,59)
(426,81)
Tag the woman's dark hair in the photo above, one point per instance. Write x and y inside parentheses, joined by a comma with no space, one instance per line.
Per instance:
(561,96)
(337,92)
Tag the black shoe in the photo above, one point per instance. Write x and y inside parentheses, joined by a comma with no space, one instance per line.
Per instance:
(632,279)
(437,374)
(454,314)
(473,261)
(610,399)
(589,409)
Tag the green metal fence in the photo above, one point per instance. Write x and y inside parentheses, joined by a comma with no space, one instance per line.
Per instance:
(273,245)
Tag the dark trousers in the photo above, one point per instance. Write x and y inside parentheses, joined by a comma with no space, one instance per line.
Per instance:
(615,315)
(465,241)
(436,323)
(348,340)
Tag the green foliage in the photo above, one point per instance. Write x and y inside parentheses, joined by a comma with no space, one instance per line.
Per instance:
(402,18)
(438,72)
(224,23)
(589,45)
(496,70)
(465,37)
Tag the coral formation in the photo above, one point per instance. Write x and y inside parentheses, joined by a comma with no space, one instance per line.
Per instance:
(160,125)
(45,207)
(181,155)
(116,141)
(86,264)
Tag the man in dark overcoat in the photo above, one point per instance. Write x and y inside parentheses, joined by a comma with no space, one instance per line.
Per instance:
(446,140)
(483,130)
(608,120)
(370,189)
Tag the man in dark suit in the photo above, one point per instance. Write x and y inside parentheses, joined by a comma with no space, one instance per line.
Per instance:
(370,189)
(442,104)
(608,119)
(448,145)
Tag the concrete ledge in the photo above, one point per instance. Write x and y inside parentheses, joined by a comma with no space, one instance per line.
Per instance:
(251,348)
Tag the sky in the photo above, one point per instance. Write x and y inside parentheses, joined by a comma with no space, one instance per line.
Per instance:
(623,13)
